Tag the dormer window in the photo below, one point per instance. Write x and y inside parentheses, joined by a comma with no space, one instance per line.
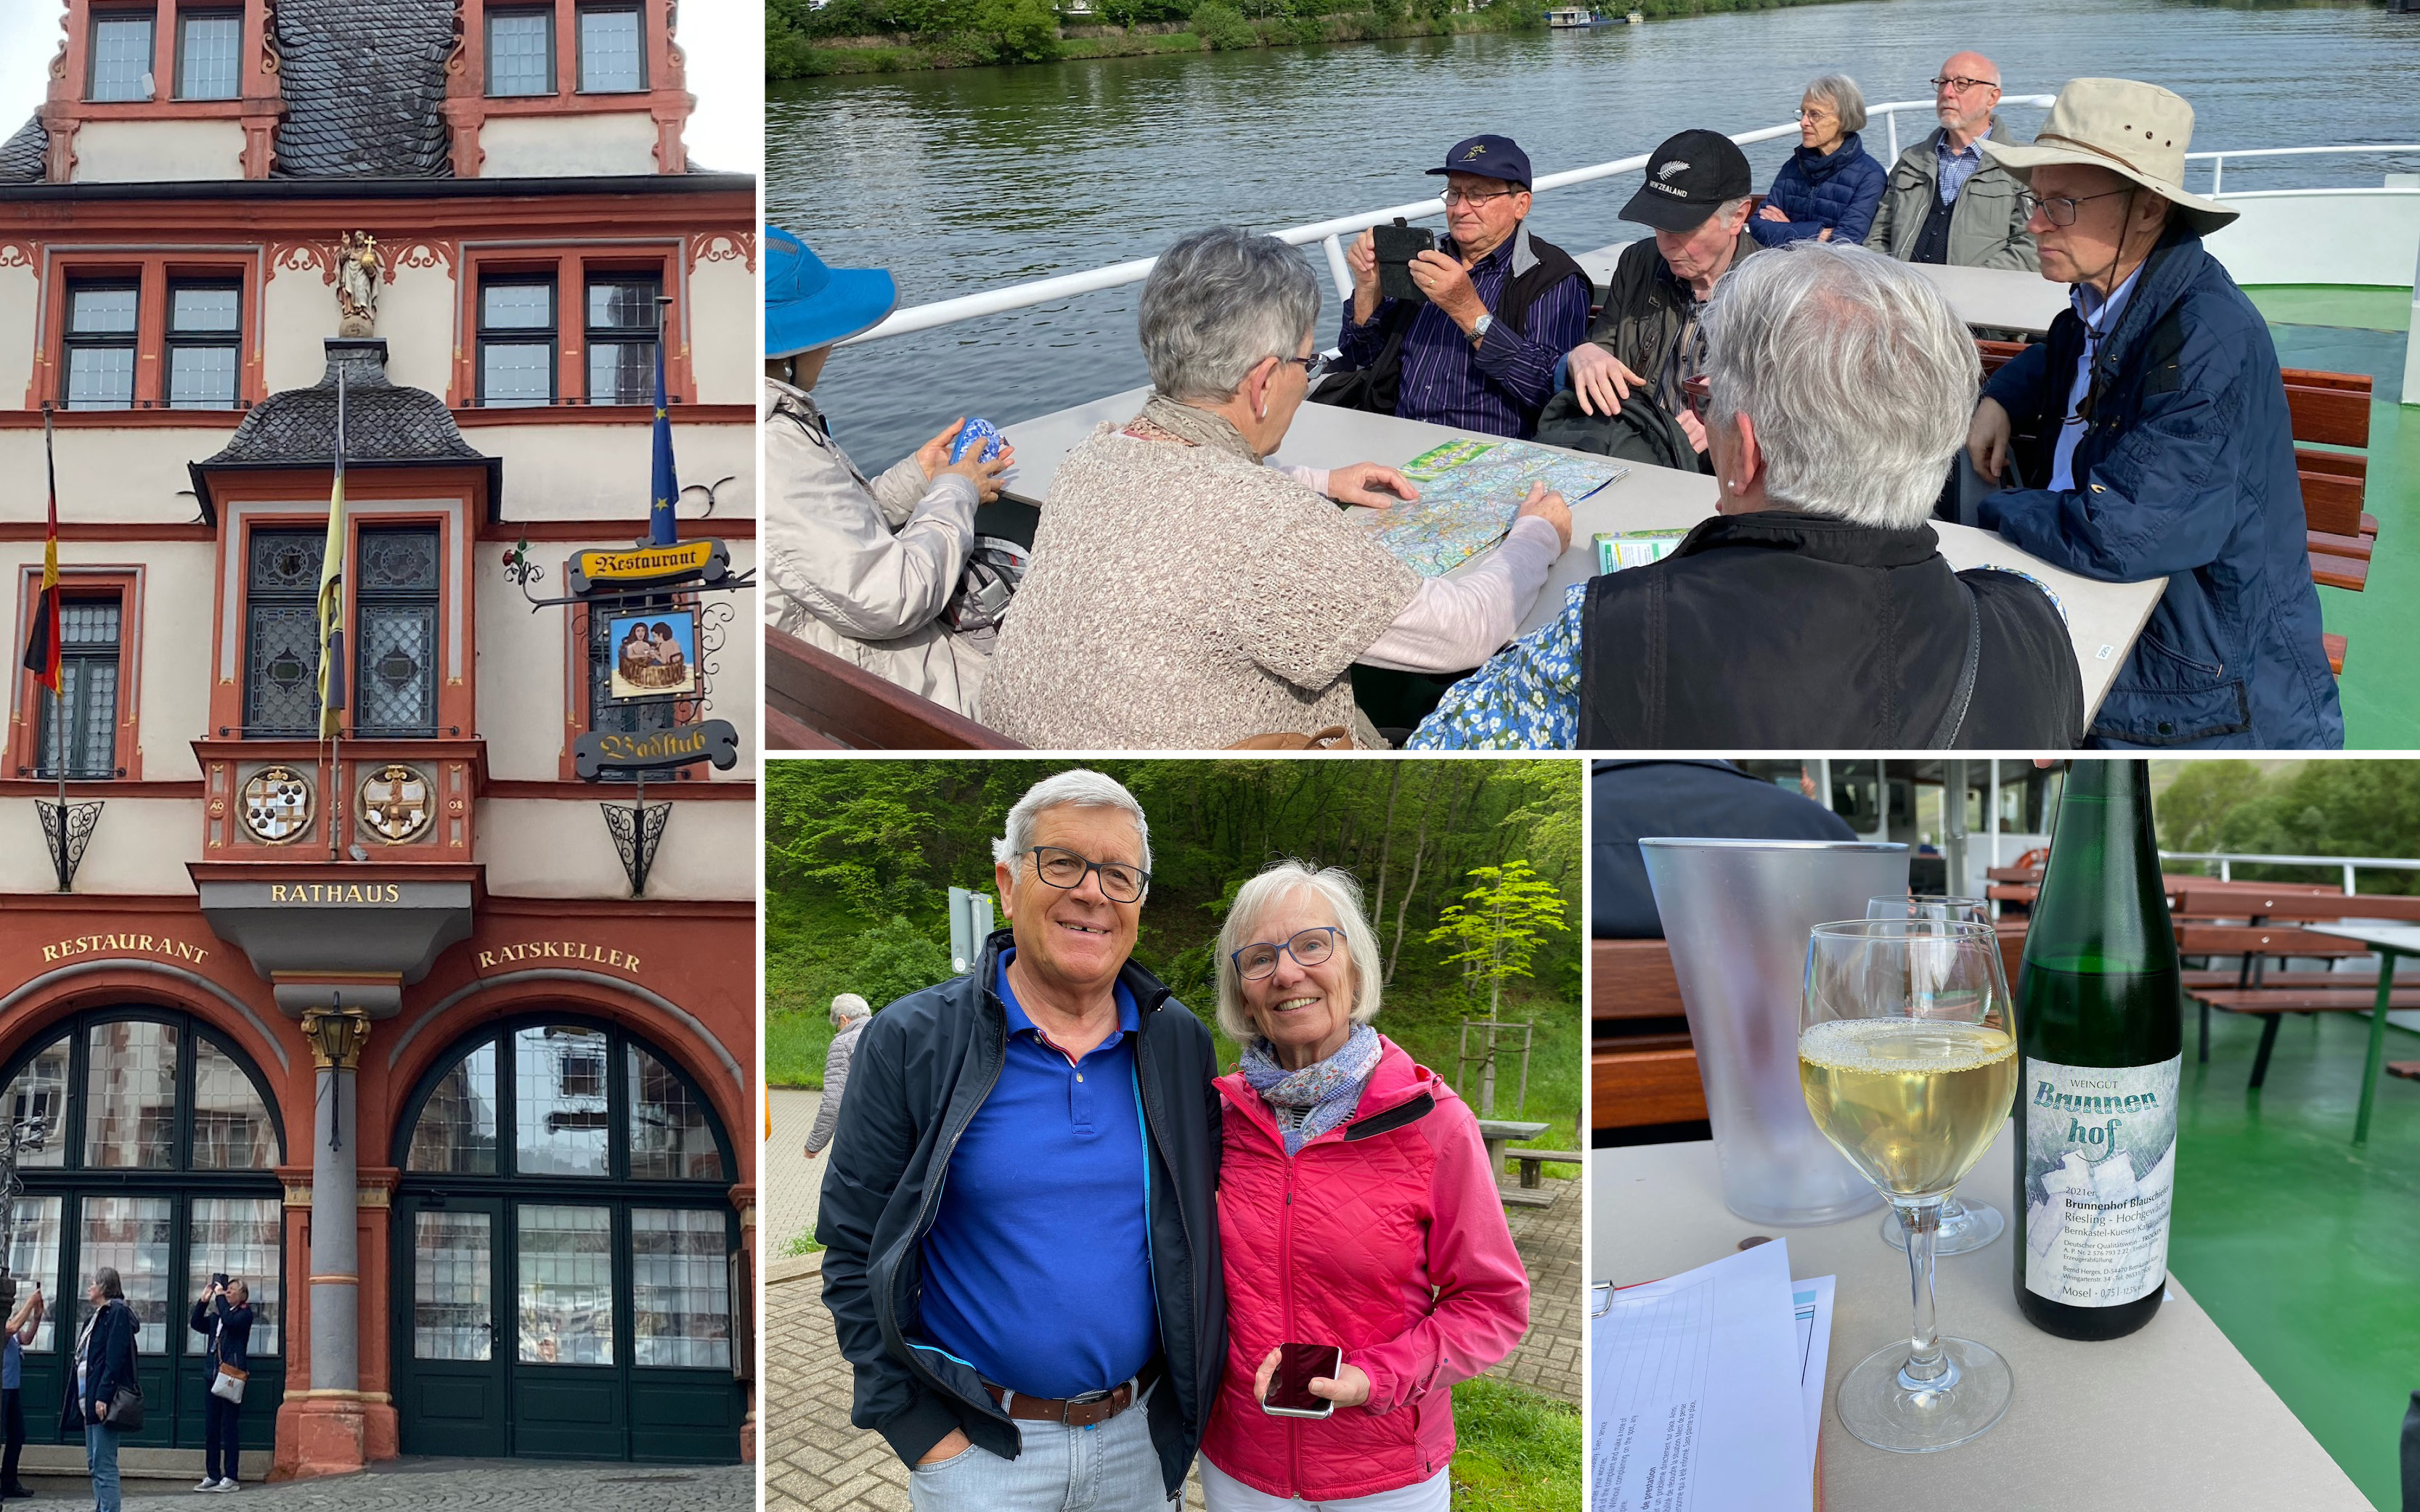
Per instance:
(121,55)
(612,60)
(521,51)
(209,54)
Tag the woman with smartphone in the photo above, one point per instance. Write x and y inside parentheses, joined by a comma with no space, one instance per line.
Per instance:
(1367,1261)
(223,1316)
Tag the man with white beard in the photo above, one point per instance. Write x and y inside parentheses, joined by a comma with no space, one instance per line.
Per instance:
(1947,202)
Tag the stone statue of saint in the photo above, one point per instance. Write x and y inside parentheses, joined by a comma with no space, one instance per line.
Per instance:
(357,284)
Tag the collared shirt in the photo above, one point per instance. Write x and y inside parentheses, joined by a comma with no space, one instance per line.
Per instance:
(2100,316)
(1037,1270)
(1497,387)
(1956,166)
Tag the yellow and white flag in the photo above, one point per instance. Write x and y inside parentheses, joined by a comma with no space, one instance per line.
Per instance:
(332,591)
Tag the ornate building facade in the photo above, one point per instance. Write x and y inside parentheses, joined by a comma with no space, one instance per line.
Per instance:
(448,1051)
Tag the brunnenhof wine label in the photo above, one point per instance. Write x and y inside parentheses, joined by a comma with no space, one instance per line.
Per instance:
(2101,1165)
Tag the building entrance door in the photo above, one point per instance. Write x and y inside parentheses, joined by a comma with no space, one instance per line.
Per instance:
(453,1398)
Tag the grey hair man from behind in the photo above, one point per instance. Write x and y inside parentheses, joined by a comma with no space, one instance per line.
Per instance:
(1816,607)
(1217,302)
(848,1015)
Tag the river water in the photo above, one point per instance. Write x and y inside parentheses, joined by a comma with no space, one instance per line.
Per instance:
(968,179)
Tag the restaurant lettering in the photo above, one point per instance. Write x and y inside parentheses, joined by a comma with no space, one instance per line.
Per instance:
(556,950)
(159,945)
(657,566)
(335,893)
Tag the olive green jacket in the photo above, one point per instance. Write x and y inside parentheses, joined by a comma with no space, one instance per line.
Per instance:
(1987,227)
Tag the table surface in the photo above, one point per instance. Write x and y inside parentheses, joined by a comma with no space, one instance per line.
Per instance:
(2104,618)
(2403,939)
(2172,1409)
(2007,299)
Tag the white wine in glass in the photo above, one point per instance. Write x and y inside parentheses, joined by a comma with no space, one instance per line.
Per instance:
(1908,1067)
(1966,1227)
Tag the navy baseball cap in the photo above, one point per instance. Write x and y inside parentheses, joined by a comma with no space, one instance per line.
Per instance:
(1688,178)
(1489,157)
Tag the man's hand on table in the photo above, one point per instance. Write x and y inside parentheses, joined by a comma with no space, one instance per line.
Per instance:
(1695,429)
(1987,439)
(1601,379)
(1369,484)
(956,1442)
(1448,285)
(1546,504)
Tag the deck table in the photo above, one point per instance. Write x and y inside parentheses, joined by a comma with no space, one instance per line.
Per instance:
(2104,618)
(2389,941)
(2179,1418)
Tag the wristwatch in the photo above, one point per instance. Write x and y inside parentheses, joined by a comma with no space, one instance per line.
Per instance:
(1479,328)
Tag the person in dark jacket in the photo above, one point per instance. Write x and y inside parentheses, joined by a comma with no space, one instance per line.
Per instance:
(2152,437)
(222,1316)
(1711,798)
(1498,307)
(1816,610)
(1019,1228)
(102,1366)
(1828,188)
(24,1324)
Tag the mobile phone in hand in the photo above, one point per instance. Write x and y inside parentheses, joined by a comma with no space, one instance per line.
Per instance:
(1298,1365)
(1396,246)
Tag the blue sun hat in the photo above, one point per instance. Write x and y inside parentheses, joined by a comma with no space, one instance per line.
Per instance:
(809,305)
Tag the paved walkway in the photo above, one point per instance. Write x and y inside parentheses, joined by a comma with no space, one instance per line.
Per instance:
(433,1485)
(791,1183)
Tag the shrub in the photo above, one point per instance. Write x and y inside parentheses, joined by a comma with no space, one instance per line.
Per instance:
(1024,31)
(1222,27)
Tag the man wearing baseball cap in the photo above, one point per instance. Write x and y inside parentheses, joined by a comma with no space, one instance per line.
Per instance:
(1479,351)
(1651,335)
(2151,438)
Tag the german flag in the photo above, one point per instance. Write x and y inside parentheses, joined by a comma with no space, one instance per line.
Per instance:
(42,645)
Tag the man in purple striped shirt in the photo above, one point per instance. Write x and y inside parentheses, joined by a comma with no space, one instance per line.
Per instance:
(1501,306)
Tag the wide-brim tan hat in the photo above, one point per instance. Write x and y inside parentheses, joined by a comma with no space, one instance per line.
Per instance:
(2139,131)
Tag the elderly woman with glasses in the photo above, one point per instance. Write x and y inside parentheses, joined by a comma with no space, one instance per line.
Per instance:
(1357,1212)
(1828,188)
(1184,596)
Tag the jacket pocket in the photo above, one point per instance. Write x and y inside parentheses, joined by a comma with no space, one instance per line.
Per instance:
(2165,698)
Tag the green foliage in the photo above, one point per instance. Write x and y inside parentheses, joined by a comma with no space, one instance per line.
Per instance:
(1497,924)
(2192,809)
(2334,807)
(1515,1449)
(1222,27)
(798,1246)
(1023,31)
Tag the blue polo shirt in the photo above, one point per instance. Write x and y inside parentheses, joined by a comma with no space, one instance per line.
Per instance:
(1037,1270)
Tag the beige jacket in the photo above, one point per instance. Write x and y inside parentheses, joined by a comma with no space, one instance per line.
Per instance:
(864,569)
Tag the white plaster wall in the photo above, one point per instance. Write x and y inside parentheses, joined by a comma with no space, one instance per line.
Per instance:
(130,475)
(416,317)
(2371,237)
(601,471)
(546,848)
(568,147)
(299,313)
(141,846)
(20,309)
(180,586)
(158,152)
(722,333)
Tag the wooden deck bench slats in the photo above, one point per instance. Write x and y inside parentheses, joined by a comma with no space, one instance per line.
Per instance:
(1652,1087)
(1633,980)
(2300,903)
(850,706)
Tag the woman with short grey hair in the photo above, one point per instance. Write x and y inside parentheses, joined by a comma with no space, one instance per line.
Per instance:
(1831,186)
(849,1016)
(1183,594)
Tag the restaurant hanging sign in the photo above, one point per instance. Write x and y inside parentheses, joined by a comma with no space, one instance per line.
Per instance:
(603,751)
(706,562)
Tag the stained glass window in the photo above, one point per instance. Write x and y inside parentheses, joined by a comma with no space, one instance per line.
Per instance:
(281,648)
(680,1287)
(395,665)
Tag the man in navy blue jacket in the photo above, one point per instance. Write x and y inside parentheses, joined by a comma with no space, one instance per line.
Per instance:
(2152,436)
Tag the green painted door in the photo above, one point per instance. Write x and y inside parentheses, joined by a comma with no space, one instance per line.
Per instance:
(451,1396)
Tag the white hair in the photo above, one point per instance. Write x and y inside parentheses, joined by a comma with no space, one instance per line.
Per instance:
(1083,787)
(848,1006)
(1856,374)
(1841,93)
(1215,305)
(1280,882)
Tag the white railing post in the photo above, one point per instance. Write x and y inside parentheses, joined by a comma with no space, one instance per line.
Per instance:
(1893,118)
(2223,866)
(2348,879)
(2217,171)
(1337,268)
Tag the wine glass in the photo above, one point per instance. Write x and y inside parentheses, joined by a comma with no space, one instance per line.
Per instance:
(1908,1066)
(1966,1227)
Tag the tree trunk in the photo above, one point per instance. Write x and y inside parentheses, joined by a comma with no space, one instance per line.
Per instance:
(1420,850)
(1386,840)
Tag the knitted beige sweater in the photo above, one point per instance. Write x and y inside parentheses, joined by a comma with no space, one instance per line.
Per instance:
(1185,597)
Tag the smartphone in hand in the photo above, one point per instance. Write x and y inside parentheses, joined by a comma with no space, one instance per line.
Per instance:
(1396,246)
(1298,1365)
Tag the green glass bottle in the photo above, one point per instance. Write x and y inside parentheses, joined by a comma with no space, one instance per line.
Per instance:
(2100,1046)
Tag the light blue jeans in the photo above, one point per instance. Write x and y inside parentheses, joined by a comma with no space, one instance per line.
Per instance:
(100,1457)
(1108,1468)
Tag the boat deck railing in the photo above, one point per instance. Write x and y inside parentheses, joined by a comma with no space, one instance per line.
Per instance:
(2346,864)
(1330,234)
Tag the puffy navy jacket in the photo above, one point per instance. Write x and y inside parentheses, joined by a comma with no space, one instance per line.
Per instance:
(2186,471)
(1815,190)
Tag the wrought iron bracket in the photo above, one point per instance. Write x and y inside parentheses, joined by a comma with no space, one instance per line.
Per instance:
(636,828)
(66,829)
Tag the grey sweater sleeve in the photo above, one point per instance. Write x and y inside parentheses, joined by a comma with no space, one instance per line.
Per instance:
(843,1045)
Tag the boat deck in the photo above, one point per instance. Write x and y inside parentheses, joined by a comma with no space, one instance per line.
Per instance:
(2296,1245)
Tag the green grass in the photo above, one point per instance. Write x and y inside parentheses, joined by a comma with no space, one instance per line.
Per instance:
(797,1245)
(794,1049)
(1514,1450)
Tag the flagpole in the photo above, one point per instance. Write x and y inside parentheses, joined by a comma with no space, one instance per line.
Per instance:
(331,643)
(59,709)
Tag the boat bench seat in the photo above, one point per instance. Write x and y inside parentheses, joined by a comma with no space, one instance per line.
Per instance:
(1643,1069)
(2258,924)
(816,701)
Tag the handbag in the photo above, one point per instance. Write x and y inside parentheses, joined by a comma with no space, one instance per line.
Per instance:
(228,1385)
(126,1409)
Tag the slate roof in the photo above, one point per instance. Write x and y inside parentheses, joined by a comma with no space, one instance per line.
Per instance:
(362,87)
(384,423)
(21,156)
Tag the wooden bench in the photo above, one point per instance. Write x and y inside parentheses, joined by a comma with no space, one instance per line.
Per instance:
(1531,1159)
(822,702)
(1643,1069)
(2272,931)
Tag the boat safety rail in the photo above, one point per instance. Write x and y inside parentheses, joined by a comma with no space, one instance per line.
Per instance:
(2346,864)
(2217,160)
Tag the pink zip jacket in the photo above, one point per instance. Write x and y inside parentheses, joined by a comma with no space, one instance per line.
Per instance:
(1344,1244)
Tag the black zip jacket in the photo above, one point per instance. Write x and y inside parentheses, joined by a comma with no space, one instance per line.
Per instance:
(924,1067)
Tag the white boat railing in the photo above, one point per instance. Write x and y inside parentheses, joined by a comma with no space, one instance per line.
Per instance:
(2226,860)
(2217,160)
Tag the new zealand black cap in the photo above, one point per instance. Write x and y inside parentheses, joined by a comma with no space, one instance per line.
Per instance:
(1489,157)
(1688,178)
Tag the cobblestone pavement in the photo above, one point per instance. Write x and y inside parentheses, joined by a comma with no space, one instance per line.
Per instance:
(434,1485)
(1548,1359)
(791,1183)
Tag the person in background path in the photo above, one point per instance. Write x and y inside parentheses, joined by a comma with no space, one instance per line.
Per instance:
(1828,188)
(1947,202)
(104,1367)
(223,1316)
(848,1015)
(22,1325)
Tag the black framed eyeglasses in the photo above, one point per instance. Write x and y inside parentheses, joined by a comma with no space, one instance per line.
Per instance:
(1961,84)
(1308,947)
(1065,871)
(1474,198)
(1312,366)
(2059,209)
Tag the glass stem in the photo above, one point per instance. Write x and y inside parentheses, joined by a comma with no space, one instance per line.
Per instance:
(1922,1222)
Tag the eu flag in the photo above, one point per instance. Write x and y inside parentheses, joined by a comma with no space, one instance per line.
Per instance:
(663,530)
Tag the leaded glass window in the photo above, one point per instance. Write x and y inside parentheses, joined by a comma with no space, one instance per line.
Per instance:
(33,1254)
(395,677)
(36,1105)
(517,343)
(130,1095)
(121,56)
(131,1235)
(100,346)
(84,716)
(622,339)
(456,1132)
(281,684)
(521,51)
(453,1293)
(560,1120)
(611,59)
(209,54)
(671,1138)
(205,338)
(232,1127)
(680,1287)
(565,1303)
(241,1237)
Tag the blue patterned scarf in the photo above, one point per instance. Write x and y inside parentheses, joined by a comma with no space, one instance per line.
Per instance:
(1309,1101)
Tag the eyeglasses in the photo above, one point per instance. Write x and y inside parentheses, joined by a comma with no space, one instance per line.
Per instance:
(1065,871)
(2059,209)
(1816,117)
(1961,85)
(1472,199)
(1693,392)
(1309,948)
(1312,366)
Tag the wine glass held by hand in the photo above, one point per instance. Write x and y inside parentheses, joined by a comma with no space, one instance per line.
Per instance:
(1908,1065)
(1966,1227)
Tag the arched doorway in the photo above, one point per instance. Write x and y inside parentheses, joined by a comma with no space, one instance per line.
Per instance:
(564,1243)
(148,1144)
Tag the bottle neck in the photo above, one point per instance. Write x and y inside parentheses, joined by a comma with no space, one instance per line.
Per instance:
(2104,908)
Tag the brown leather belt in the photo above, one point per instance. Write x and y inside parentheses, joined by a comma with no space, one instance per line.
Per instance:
(1076,1411)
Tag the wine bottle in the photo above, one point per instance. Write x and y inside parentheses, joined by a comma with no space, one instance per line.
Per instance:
(2100,1047)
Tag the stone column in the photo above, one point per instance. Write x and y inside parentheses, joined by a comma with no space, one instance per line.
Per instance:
(336,1036)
